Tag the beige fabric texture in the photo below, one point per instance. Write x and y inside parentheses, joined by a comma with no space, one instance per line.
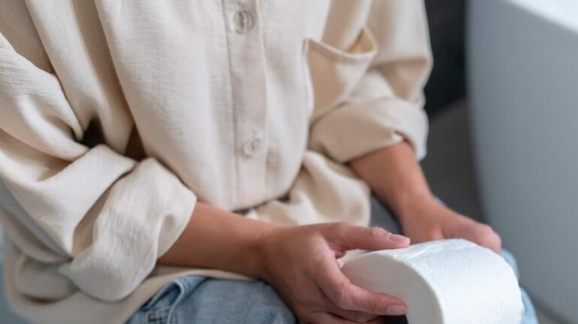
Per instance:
(251,106)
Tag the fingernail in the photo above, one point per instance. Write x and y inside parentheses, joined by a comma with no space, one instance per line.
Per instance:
(396,310)
(398,238)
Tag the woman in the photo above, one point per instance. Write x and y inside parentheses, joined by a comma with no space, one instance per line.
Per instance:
(158,153)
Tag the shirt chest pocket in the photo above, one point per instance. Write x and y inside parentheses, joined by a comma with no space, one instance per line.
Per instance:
(334,72)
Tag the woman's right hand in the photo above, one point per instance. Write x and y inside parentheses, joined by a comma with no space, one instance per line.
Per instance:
(301,263)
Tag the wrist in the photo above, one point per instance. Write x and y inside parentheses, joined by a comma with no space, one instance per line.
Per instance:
(265,242)
(411,205)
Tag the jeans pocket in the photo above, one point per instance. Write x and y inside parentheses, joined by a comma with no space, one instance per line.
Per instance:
(162,308)
(159,308)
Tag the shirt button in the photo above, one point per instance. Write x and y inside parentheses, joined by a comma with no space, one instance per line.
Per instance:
(243,21)
(253,147)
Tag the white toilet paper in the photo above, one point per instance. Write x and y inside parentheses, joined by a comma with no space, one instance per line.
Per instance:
(443,282)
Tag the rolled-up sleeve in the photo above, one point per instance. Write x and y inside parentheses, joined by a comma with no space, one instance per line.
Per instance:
(104,218)
(386,105)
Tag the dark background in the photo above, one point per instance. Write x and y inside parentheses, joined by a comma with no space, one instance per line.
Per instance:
(447,82)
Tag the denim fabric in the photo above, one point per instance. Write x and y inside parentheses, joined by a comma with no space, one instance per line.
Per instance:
(194,299)
(530,313)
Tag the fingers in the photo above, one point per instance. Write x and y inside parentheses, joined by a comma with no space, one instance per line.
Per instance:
(495,243)
(484,235)
(498,245)
(355,316)
(469,229)
(350,237)
(350,297)
(491,240)
(326,318)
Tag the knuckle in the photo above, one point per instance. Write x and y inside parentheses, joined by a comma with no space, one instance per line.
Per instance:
(375,233)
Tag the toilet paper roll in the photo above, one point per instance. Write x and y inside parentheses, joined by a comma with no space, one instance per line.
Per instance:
(443,282)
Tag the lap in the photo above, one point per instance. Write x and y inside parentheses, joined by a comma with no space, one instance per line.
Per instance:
(195,299)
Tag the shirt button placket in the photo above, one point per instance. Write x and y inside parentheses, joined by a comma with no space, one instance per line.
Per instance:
(249,94)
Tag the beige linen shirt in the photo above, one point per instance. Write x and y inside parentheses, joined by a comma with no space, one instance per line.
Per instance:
(117,116)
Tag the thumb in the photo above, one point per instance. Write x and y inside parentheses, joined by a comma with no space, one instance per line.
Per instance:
(349,237)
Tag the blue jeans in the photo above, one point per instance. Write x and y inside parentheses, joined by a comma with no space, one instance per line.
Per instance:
(196,299)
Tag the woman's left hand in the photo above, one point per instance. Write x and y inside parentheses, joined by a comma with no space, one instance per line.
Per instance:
(429,220)
(395,175)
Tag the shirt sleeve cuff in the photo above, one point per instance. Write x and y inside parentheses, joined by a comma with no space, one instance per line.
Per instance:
(144,214)
(354,130)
